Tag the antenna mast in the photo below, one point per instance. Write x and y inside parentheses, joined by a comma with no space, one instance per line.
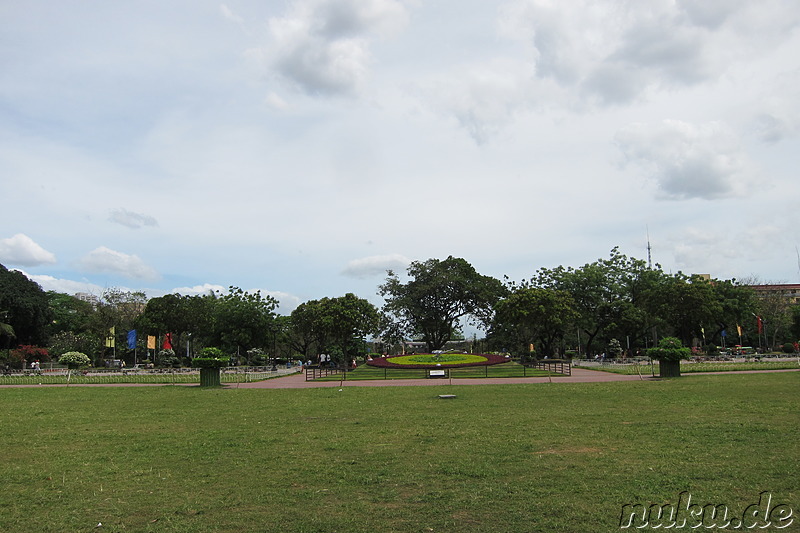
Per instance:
(649,258)
(798,259)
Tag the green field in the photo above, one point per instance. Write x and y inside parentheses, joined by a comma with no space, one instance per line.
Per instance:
(507,458)
(688,368)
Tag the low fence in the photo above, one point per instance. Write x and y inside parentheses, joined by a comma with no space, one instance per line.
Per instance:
(554,366)
(159,375)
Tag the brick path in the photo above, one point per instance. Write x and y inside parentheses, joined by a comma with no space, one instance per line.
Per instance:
(298,381)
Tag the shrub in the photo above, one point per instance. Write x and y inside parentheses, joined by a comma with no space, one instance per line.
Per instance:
(211,358)
(614,348)
(711,349)
(669,349)
(788,348)
(66,341)
(168,358)
(12,358)
(255,356)
(74,359)
(30,353)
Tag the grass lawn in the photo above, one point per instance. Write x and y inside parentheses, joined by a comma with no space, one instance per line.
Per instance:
(689,367)
(507,458)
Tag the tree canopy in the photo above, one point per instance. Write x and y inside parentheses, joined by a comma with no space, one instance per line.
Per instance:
(24,309)
(438,295)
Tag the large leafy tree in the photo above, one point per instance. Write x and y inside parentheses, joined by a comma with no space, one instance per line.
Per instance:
(609,295)
(737,305)
(69,313)
(687,303)
(24,309)
(437,297)
(537,316)
(338,325)
(243,320)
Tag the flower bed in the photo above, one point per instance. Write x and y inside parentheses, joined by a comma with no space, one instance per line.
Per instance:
(434,361)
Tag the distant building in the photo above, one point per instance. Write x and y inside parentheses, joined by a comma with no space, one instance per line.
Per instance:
(790,291)
(86,297)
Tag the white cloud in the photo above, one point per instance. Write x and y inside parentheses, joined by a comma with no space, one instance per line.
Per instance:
(205,288)
(103,260)
(375,265)
(22,250)
(66,286)
(689,161)
(713,250)
(483,98)
(323,46)
(615,51)
(230,15)
(130,219)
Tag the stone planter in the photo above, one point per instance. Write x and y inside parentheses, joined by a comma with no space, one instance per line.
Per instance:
(209,377)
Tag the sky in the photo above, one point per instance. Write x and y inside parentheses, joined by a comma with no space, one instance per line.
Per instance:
(302,148)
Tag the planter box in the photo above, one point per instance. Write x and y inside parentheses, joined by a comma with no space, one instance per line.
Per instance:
(209,377)
(669,369)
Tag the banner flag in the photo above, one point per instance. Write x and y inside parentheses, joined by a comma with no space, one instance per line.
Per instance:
(151,342)
(760,325)
(132,339)
(111,340)
(739,329)
(167,342)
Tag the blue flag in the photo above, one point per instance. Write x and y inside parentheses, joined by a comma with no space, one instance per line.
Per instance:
(132,339)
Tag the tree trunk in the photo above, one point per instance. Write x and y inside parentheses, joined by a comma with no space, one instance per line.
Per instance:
(669,369)
(209,377)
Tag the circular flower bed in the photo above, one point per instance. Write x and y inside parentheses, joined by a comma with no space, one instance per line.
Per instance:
(433,361)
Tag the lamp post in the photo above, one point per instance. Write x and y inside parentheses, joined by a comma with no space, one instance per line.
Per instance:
(188,342)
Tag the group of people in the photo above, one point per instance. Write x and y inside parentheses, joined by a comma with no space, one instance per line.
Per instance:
(325,362)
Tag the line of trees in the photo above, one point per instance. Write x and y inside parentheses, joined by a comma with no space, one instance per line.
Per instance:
(607,306)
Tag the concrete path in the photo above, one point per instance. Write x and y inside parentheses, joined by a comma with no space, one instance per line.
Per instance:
(298,381)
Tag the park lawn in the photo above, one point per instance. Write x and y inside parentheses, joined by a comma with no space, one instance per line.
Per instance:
(691,367)
(505,458)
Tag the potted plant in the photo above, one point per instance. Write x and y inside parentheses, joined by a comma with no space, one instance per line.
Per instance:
(669,352)
(209,363)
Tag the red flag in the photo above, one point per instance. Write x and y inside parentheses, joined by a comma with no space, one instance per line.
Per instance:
(167,342)
(760,325)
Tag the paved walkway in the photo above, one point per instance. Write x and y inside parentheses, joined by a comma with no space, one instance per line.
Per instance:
(298,381)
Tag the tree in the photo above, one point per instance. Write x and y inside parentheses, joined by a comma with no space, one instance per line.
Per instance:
(776,317)
(24,310)
(337,325)
(118,309)
(687,303)
(243,320)
(438,295)
(610,296)
(69,314)
(737,304)
(536,316)
(74,360)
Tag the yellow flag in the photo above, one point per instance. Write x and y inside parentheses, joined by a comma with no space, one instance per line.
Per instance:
(111,339)
(151,342)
